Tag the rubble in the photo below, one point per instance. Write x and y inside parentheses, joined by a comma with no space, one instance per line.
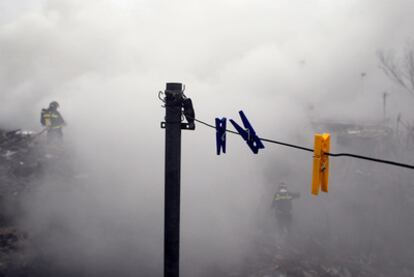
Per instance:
(20,167)
(24,158)
(290,262)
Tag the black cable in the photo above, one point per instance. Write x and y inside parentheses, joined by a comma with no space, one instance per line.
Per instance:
(311,150)
(287,144)
(370,159)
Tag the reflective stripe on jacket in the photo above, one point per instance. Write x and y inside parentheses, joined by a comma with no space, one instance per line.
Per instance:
(283,197)
(53,119)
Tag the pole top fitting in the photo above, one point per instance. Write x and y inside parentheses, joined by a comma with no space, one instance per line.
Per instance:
(174,87)
(174,91)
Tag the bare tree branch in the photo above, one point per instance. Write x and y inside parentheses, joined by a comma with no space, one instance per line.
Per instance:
(410,67)
(400,72)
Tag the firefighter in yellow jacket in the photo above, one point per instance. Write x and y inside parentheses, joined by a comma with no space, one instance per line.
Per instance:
(53,121)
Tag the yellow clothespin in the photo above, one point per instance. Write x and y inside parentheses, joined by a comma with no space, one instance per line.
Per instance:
(320,163)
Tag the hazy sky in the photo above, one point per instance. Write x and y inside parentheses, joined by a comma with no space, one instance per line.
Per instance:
(294,51)
(105,61)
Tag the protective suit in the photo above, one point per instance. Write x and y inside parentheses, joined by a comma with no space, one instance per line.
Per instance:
(53,121)
(282,204)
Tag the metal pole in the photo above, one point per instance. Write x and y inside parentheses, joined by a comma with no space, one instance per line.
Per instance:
(173,112)
(384,96)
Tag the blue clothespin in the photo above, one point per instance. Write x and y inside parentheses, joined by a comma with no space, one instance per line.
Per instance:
(221,135)
(248,134)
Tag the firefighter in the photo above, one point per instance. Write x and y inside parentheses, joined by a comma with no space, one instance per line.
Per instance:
(53,121)
(282,204)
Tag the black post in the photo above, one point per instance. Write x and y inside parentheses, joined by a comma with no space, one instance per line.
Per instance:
(173,112)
